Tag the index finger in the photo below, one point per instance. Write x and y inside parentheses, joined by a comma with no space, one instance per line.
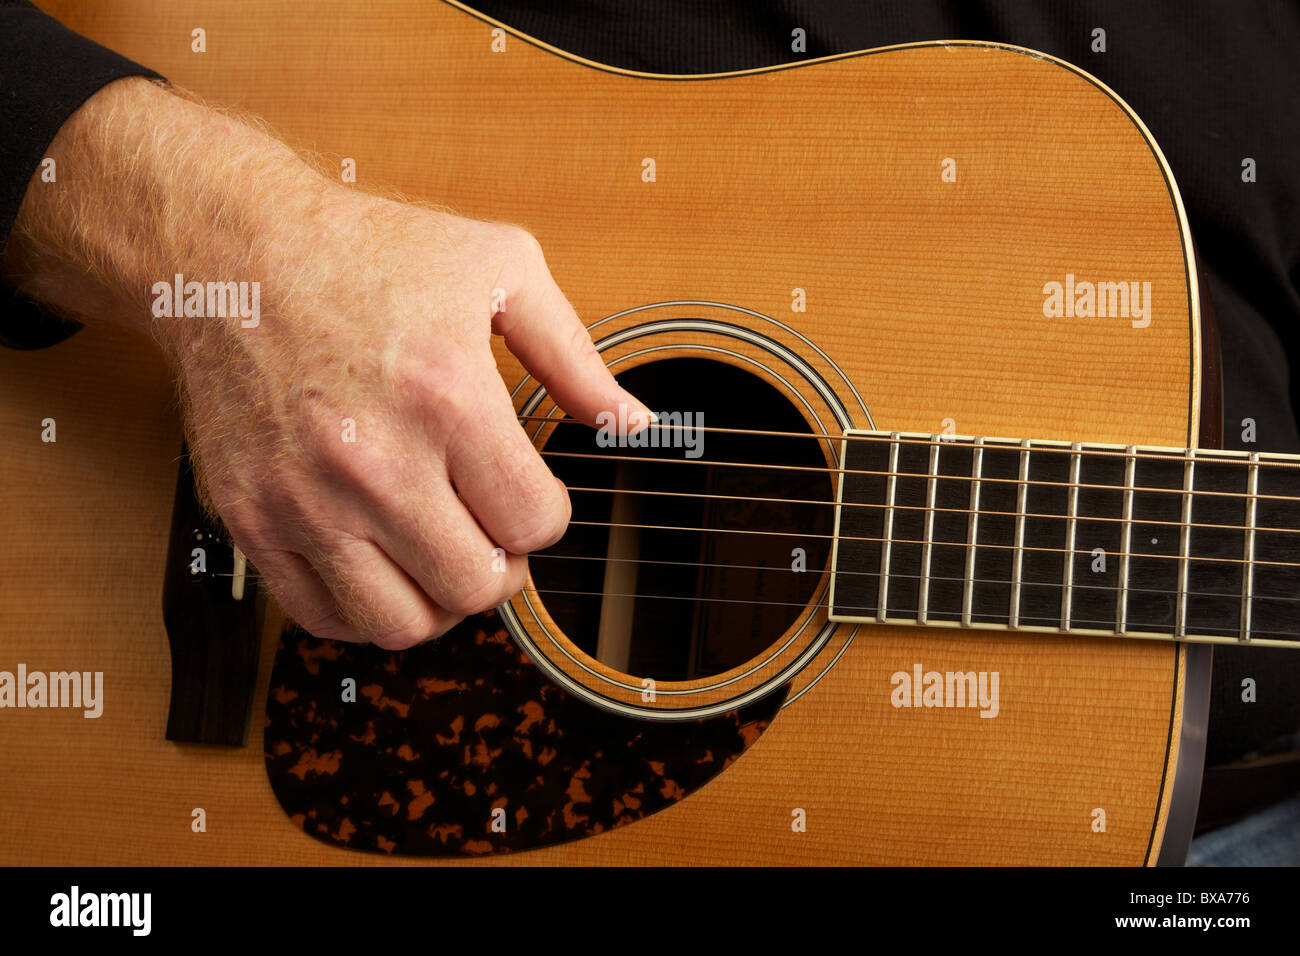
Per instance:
(544,332)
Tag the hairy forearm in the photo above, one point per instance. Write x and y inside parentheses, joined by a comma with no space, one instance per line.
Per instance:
(356,437)
(149,185)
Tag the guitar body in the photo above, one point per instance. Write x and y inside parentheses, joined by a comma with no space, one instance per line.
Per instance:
(868,235)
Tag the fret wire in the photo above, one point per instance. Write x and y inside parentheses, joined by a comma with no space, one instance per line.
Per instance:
(872,504)
(1121,607)
(1018,555)
(1184,544)
(1076,461)
(1248,572)
(855,471)
(891,486)
(968,586)
(923,592)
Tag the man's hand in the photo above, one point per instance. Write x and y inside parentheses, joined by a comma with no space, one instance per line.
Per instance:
(354,436)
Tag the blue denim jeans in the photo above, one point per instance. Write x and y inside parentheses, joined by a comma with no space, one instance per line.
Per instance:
(1268,838)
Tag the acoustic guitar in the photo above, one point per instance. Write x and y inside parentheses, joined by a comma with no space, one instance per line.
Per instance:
(922,564)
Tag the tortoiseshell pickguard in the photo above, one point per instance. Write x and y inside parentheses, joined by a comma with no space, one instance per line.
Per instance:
(442,735)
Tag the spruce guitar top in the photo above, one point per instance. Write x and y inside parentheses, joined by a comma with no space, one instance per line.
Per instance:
(922,564)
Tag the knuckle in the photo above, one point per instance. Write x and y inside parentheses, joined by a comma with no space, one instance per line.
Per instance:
(515,255)
(436,395)
(482,592)
(324,623)
(523,243)
(512,580)
(541,508)
(446,624)
(407,633)
(465,602)
(322,434)
(538,525)
(581,347)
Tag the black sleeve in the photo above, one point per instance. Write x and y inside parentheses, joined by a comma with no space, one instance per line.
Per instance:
(46,73)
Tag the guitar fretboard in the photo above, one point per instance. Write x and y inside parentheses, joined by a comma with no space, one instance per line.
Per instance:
(1077,538)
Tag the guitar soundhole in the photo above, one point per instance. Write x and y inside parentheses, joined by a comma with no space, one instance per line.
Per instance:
(744,527)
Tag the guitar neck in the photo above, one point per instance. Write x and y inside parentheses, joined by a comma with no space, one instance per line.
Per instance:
(1090,539)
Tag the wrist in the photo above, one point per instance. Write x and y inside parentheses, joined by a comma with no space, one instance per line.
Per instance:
(259,230)
(152,186)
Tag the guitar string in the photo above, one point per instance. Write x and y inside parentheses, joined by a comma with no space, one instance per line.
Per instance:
(1142,489)
(956,544)
(892,575)
(803,535)
(1236,596)
(1131,626)
(1121,489)
(1063,448)
(962,511)
(991,617)
(1008,446)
